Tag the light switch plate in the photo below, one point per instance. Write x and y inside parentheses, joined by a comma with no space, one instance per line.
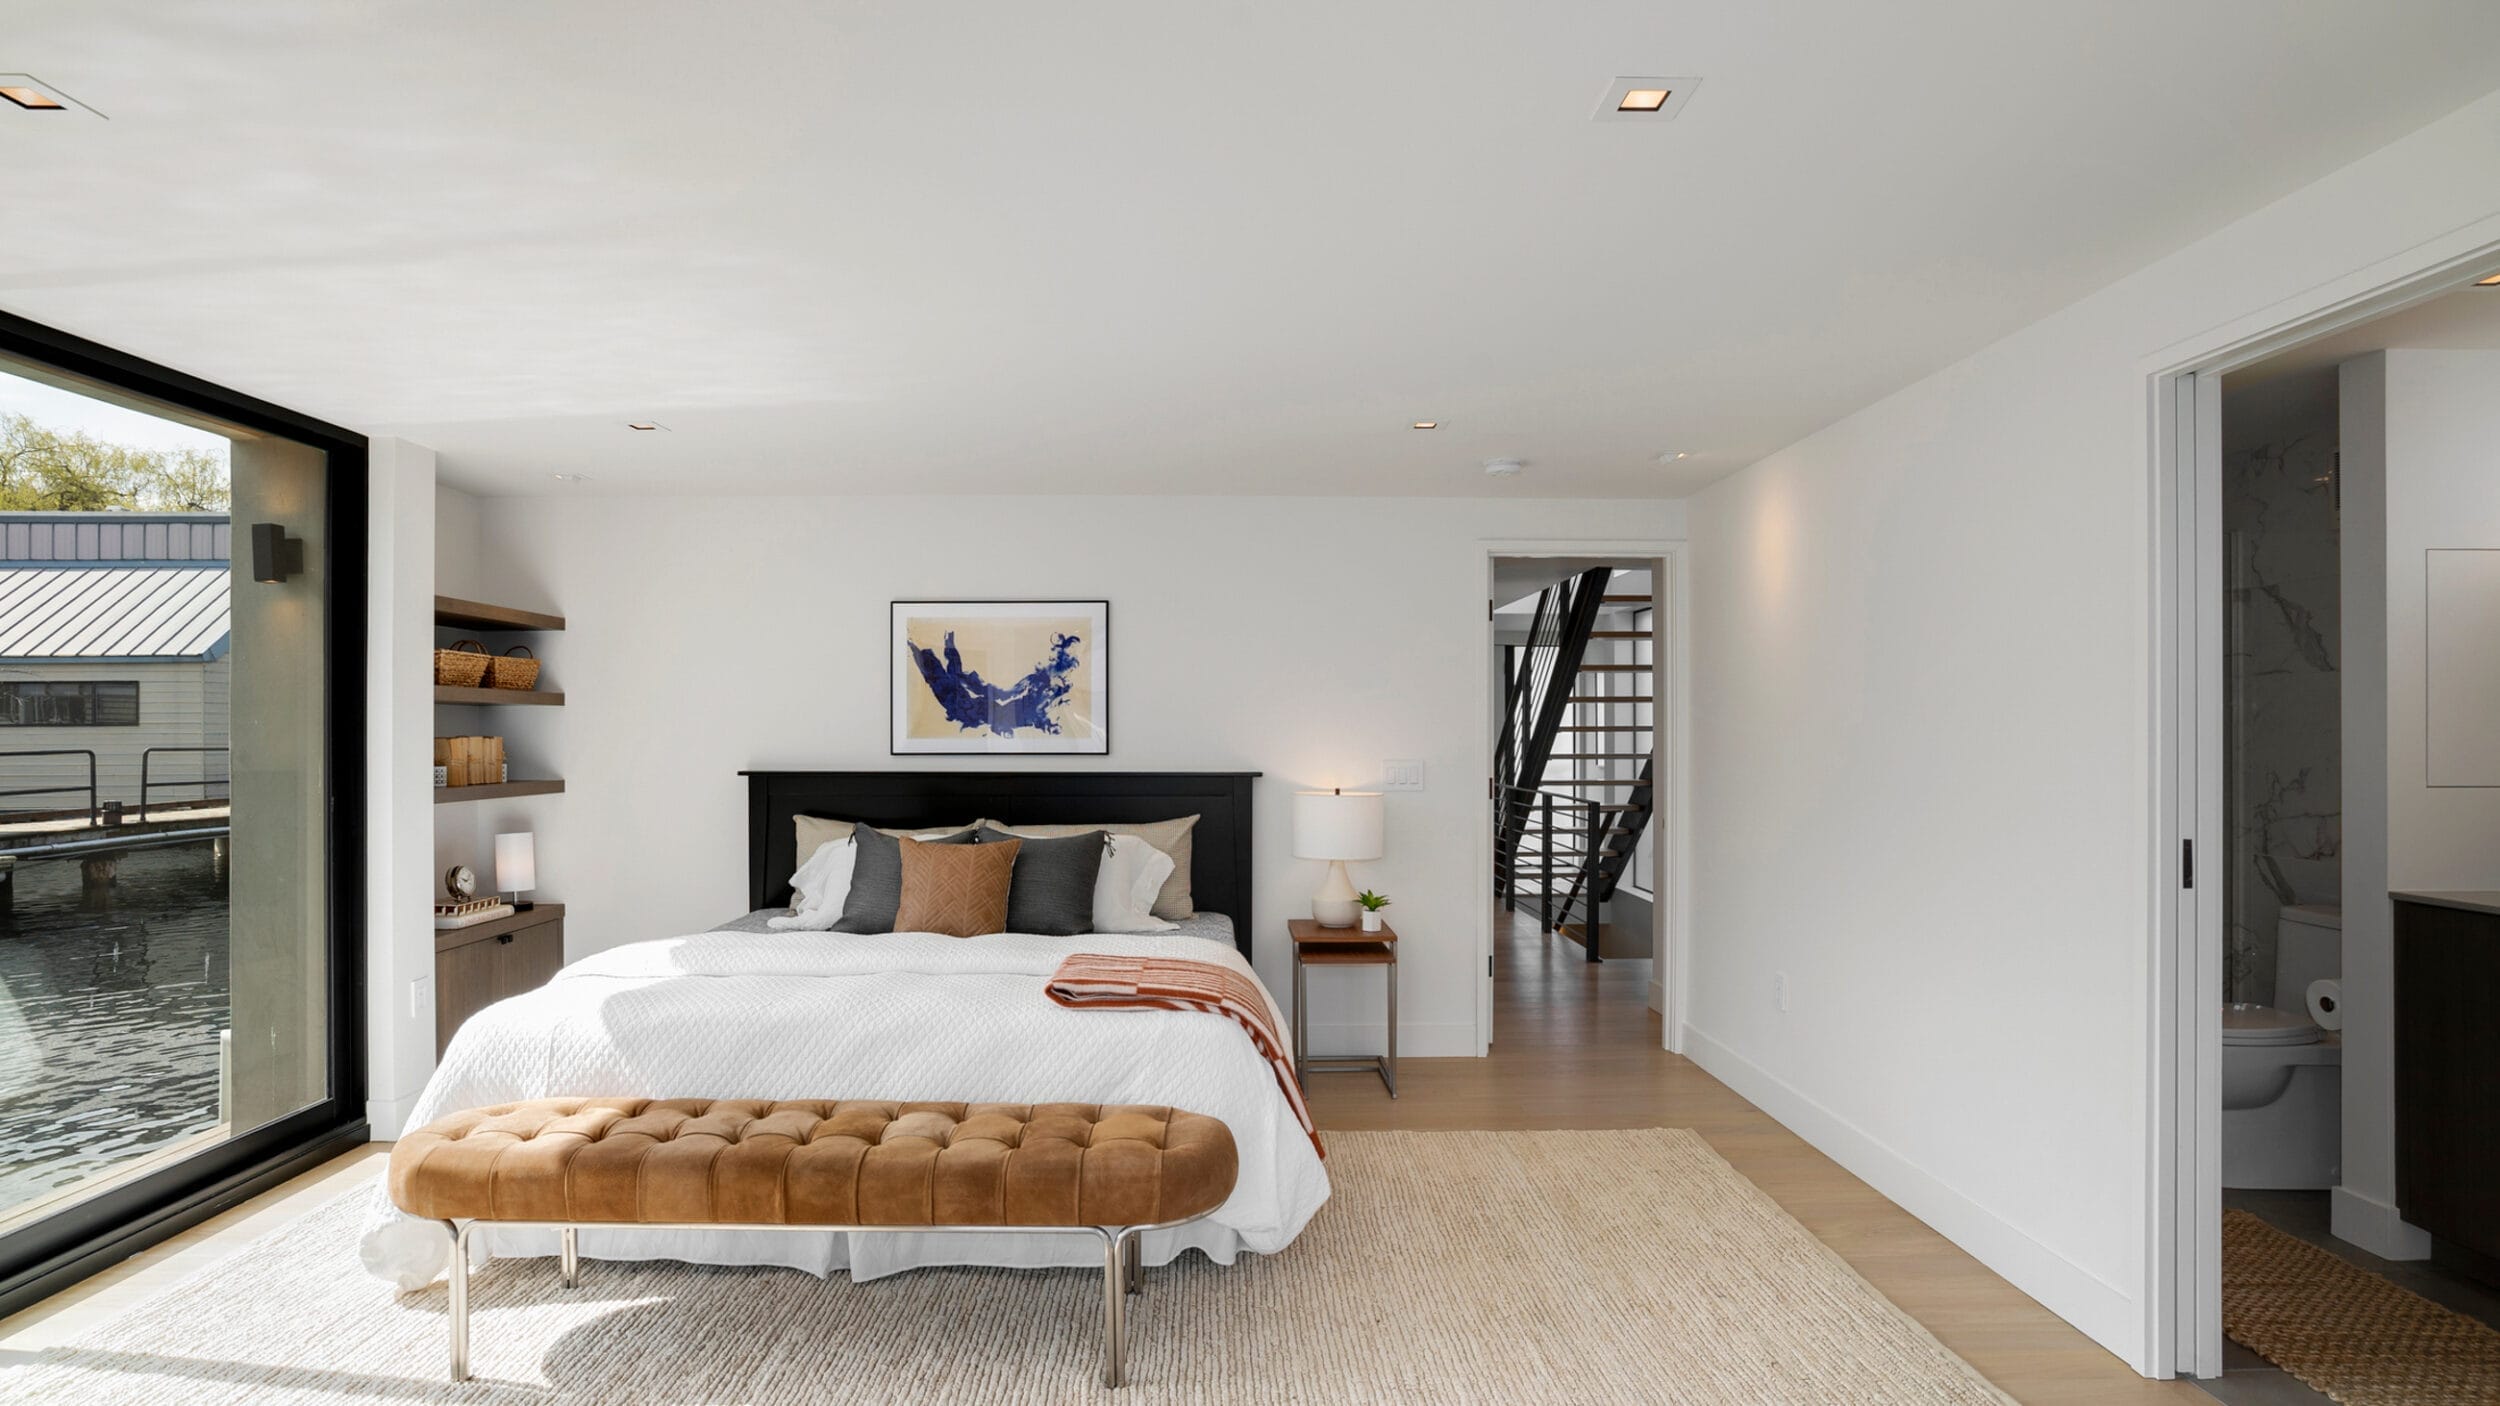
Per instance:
(421,998)
(1403,775)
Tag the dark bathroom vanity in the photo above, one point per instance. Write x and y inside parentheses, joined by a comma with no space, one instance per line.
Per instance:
(2448,1073)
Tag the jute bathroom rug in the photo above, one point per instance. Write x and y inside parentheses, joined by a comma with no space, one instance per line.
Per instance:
(1449,1267)
(2345,1331)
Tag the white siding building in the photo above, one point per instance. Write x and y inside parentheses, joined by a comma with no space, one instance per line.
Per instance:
(114,630)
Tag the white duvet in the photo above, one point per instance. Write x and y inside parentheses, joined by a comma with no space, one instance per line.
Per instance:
(903,1016)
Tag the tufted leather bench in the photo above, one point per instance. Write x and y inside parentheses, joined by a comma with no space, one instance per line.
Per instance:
(1115,1172)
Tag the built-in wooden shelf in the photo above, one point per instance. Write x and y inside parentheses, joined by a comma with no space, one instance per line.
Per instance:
(478,615)
(501,790)
(498,697)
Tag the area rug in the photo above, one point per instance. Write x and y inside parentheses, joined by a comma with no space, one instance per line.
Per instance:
(1447,1267)
(2345,1331)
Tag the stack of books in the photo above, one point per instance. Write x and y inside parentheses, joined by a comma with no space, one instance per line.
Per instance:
(468,761)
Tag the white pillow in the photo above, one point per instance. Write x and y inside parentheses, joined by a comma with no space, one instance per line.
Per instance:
(1132,874)
(819,888)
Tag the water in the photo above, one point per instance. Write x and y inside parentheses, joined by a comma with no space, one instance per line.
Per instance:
(108,1021)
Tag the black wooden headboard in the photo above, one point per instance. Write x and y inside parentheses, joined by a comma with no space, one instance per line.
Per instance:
(1219,874)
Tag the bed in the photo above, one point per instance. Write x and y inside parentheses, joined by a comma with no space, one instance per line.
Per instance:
(743,1011)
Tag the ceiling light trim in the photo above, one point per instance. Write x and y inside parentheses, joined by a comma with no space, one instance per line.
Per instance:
(1610,105)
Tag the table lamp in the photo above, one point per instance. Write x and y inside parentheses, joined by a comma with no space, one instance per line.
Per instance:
(516,867)
(1336,826)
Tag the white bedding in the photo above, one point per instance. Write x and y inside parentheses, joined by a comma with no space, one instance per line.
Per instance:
(904,1016)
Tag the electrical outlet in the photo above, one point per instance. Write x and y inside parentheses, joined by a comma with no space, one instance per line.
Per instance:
(1779,990)
(1402,775)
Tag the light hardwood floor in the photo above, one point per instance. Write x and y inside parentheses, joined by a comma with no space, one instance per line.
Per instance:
(1574,1047)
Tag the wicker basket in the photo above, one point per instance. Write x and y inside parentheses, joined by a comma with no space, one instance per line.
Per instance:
(516,667)
(461,666)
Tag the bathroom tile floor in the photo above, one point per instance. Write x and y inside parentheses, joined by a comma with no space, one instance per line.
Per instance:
(2250,1380)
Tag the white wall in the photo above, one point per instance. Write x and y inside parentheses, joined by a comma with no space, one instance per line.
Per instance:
(399,824)
(2431,435)
(1922,742)
(1306,639)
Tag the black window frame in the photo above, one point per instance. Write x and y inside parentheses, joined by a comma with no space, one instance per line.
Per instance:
(57,1250)
(85,689)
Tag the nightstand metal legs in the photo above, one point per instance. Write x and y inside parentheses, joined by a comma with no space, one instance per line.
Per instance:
(1384,1065)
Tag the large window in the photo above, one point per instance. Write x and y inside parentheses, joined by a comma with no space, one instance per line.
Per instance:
(69,704)
(179,939)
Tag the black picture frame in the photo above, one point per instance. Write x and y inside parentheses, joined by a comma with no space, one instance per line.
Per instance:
(900,680)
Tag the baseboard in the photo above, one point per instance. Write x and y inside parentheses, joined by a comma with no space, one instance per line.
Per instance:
(2101,1310)
(1357,1039)
(2375,1226)
(388,1117)
(1658,997)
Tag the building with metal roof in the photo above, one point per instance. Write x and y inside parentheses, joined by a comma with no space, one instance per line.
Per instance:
(114,631)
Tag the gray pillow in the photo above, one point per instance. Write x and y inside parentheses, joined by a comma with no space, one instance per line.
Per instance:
(877,879)
(1051,892)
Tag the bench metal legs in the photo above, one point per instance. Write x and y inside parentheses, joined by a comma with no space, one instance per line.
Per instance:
(1123,1274)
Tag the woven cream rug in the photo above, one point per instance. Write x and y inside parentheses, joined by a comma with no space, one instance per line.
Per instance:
(1448,1267)
(2348,1332)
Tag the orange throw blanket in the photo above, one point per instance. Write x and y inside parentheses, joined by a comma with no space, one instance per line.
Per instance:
(1093,981)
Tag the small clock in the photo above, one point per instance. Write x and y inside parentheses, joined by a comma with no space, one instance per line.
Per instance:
(461,881)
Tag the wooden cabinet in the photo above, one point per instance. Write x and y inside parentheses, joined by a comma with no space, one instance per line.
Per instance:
(2448,1071)
(478,966)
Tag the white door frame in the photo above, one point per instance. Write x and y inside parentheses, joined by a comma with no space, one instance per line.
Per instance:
(1670,754)
(2183,1261)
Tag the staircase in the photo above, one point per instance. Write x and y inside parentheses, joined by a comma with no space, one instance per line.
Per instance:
(1569,811)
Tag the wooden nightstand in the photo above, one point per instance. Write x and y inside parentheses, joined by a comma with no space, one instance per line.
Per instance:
(1316,946)
(474,967)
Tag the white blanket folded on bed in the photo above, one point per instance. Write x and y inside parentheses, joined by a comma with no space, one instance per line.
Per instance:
(901,1016)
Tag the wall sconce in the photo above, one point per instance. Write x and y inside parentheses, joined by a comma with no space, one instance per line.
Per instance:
(275,556)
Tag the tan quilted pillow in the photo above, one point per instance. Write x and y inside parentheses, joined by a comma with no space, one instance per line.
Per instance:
(958,890)
(1173,901)
(815,830)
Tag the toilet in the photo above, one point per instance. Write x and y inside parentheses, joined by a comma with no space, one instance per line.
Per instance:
(2282,1077)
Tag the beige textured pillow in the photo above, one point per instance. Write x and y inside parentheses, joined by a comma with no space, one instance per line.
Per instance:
(816,830)
(1173,901)
(957,890)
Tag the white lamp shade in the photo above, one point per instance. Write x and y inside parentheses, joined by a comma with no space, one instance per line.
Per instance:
(1336,824)
(516,862)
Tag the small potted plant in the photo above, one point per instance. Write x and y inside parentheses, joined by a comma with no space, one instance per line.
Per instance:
(1372,904)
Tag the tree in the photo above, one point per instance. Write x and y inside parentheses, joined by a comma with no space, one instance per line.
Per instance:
(44,470)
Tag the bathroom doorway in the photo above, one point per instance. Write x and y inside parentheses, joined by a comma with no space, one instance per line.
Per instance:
(2322,483)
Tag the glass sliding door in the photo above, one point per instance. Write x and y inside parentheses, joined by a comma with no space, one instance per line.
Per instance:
(178,959)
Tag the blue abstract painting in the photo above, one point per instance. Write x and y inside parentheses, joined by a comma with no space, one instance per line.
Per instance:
(1000,676)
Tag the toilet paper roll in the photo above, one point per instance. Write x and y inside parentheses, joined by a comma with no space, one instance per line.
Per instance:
(2326,1003)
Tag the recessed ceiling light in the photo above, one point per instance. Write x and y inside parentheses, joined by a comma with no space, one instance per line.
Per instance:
(1427,424)
(572,478)
(2491,282)
(1644,99)
(28,93)
(644,425)
(1503,468)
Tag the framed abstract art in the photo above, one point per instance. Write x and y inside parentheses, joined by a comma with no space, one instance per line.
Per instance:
(1001,677)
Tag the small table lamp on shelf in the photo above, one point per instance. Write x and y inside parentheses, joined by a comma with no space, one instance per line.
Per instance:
(516,867)
(1336,826)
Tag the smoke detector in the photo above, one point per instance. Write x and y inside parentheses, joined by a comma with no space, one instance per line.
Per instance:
(1503,468)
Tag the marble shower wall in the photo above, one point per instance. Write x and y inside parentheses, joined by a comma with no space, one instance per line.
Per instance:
(2282,772)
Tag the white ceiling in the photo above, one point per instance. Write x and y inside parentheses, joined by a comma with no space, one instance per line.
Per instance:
(1145,247)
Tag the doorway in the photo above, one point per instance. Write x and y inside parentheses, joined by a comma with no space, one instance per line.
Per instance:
(2308,512)
(1579,894)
